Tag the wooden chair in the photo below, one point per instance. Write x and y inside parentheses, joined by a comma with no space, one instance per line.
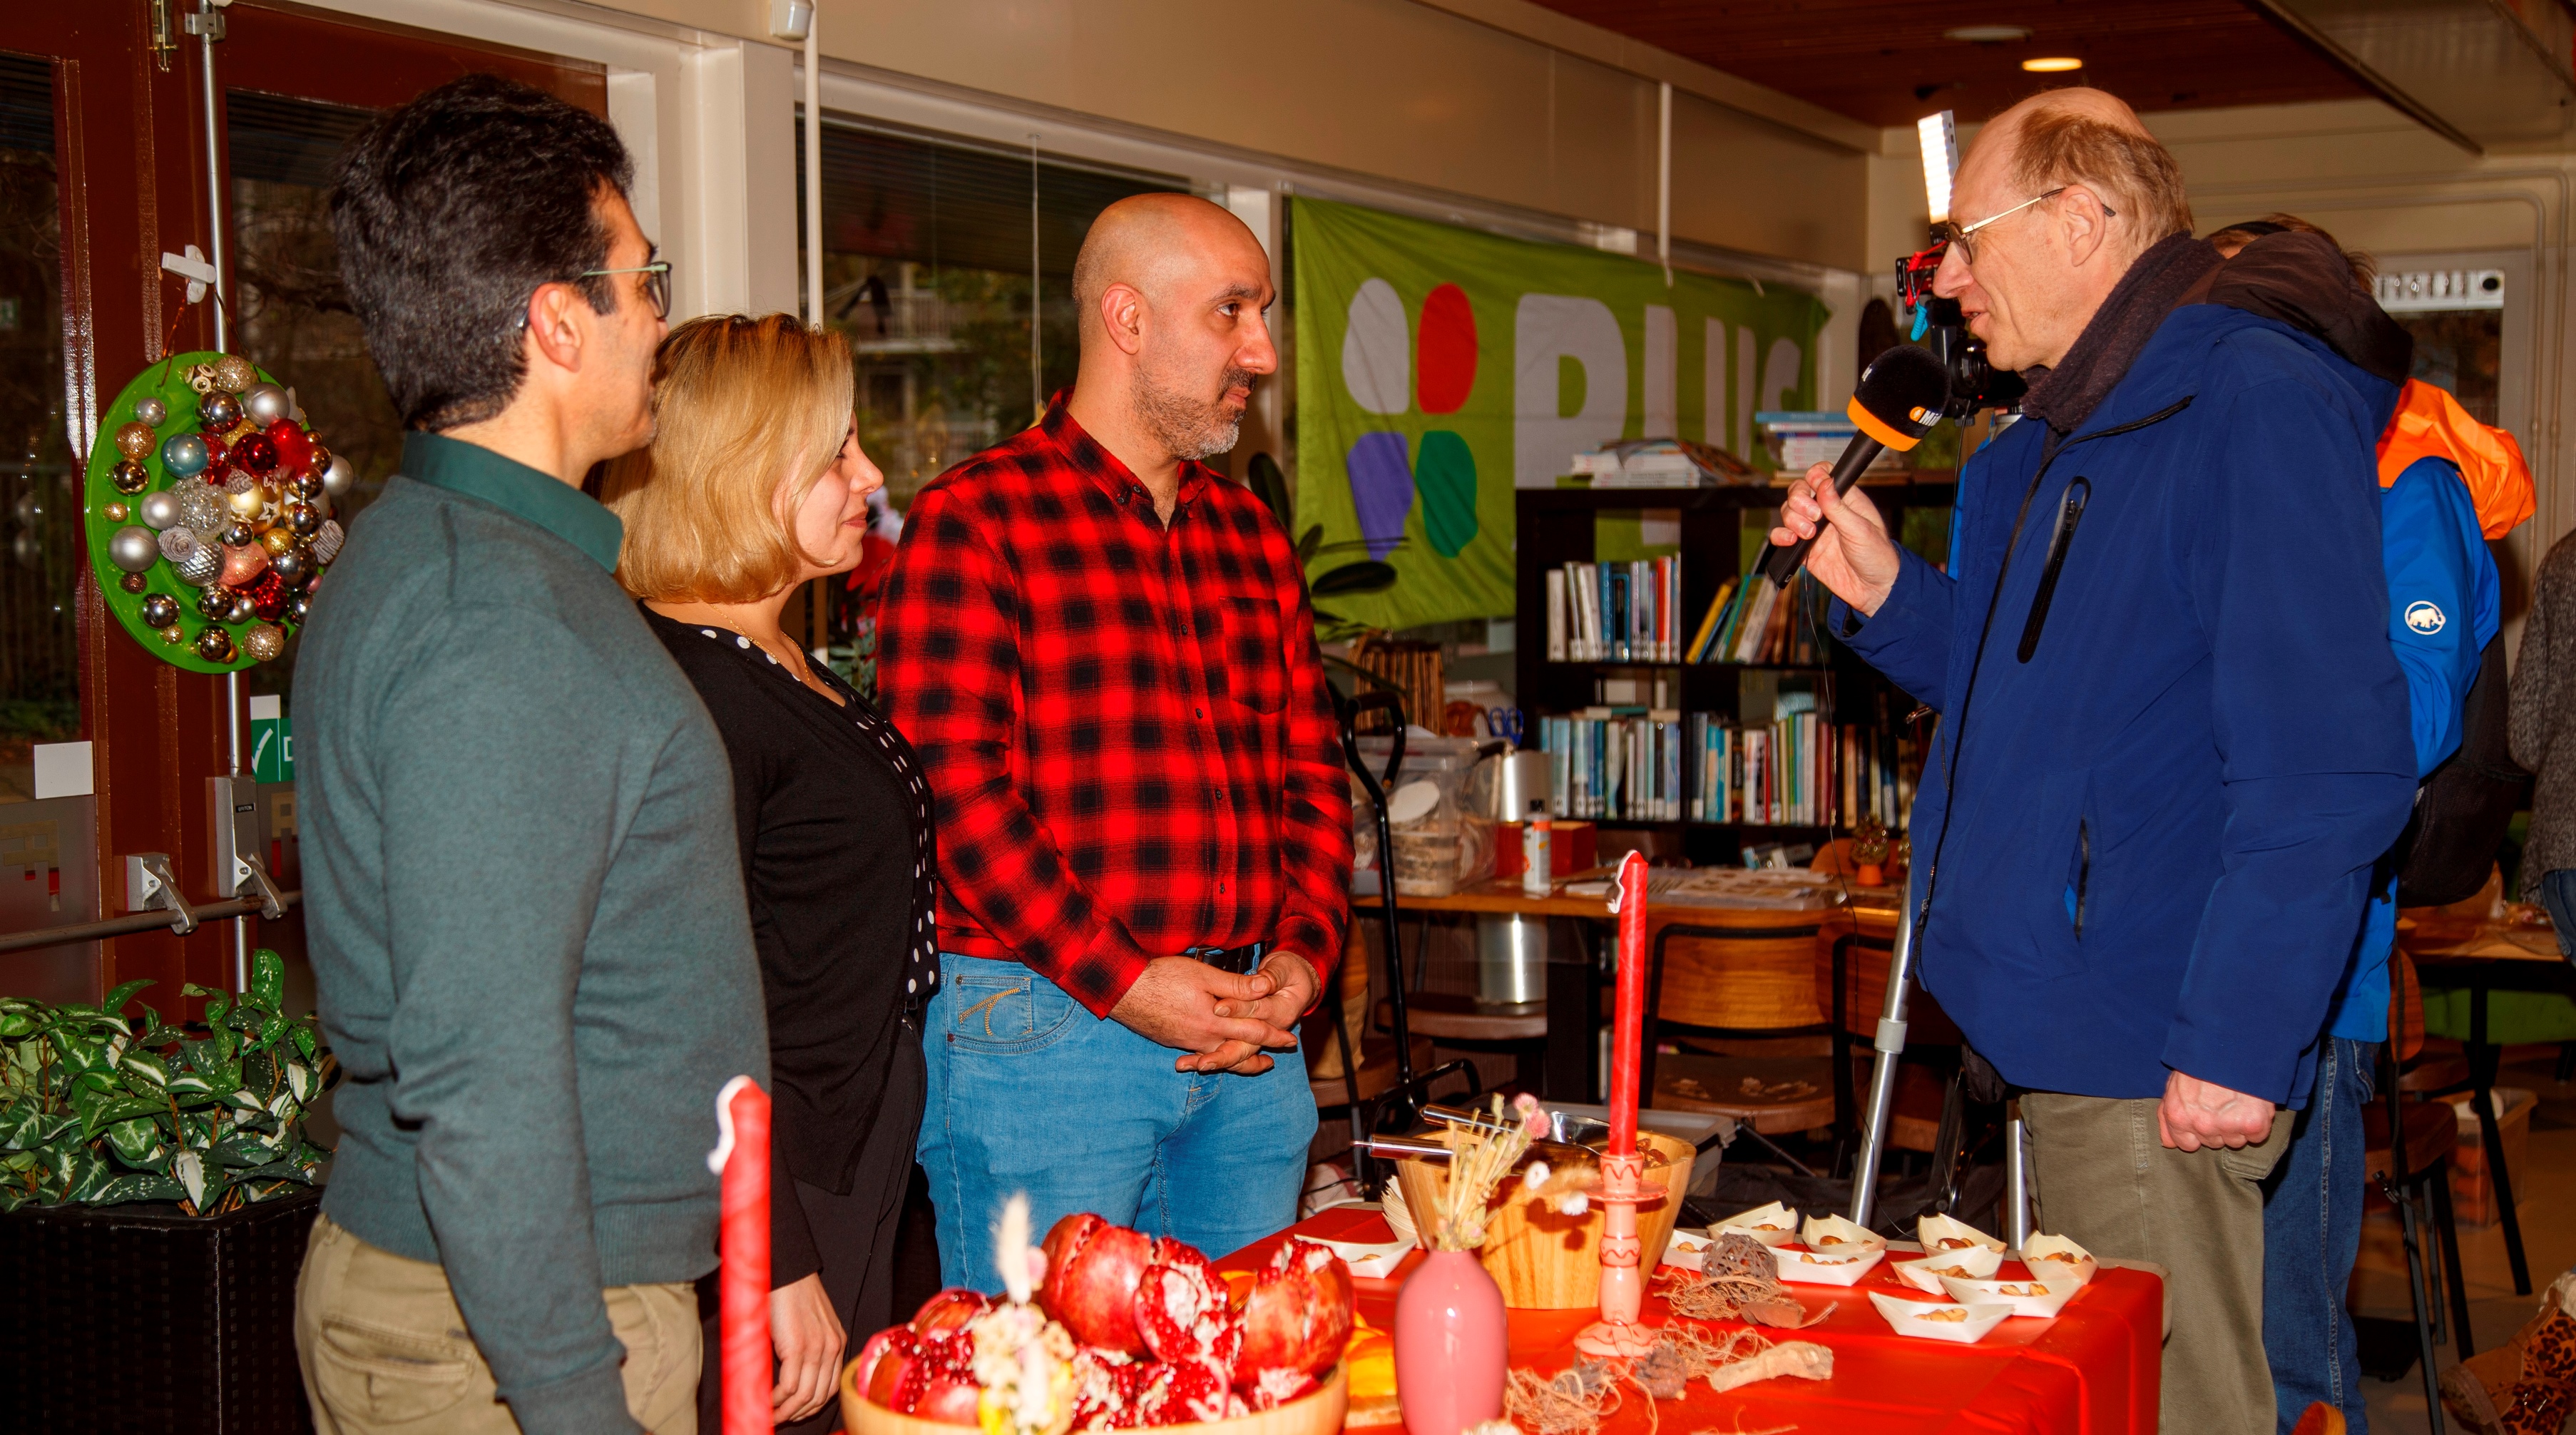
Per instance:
(2407,1171)
(1739,976)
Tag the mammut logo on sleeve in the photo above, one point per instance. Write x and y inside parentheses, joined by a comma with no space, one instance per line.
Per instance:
(2425,618)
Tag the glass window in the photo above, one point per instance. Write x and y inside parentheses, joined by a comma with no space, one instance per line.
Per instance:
(39,481)
(290,313)
(2461,350)
(927,263)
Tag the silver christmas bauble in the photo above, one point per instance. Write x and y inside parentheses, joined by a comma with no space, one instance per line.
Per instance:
(201,507)
(326,541)
(155,413)
(265,404)
(292,566)
(134,548)
(159,511)
(301,519)
(220,410)
(338,477)
(160,611)
(202,565)
(242,609)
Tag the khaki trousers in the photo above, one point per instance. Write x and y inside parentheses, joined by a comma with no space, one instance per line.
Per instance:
(2107,1181)
(384,1348)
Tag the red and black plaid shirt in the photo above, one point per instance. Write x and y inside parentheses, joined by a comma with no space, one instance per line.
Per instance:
(1126,725)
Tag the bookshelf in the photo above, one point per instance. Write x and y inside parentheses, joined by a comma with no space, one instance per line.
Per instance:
(1556,527)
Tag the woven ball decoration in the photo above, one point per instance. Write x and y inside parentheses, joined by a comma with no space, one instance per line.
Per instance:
(187,510)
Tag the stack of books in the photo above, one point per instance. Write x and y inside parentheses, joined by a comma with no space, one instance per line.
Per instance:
(1753,620)
(1799,770)
(1798,439)
(1615,612)
(1617,764)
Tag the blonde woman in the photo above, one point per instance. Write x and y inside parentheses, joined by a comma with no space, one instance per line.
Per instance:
(754,484)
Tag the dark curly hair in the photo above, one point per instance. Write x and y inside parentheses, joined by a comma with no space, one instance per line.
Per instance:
(450,211)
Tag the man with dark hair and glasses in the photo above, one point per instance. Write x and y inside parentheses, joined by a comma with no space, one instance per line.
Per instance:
(525,908)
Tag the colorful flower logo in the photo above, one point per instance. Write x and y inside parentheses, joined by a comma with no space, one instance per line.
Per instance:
(1390,366)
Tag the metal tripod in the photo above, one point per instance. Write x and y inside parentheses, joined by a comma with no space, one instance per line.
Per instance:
(1888,1045)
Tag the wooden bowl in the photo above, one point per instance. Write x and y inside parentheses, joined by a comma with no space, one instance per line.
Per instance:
(1319,1413)
(1544,1259)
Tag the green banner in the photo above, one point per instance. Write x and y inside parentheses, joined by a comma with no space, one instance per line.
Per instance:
(1439,368)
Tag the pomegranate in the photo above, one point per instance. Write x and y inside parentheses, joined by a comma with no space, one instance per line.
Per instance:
(1185,1311)
(1274,1388)
(929,1376)
(1092,1270)
(1108,1390)
(1187,1391)
(949,1310)
(1298,1315)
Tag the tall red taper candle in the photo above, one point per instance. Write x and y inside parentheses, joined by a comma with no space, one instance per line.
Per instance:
(744,1285)
(1623,1171)
(1628,1019)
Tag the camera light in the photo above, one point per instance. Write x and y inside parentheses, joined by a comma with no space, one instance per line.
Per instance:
(1939,135)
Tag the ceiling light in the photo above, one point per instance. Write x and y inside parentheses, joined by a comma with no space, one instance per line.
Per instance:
(1988,34)
(2052,64)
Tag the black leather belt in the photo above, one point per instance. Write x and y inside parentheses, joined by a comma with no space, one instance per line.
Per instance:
(1242,961)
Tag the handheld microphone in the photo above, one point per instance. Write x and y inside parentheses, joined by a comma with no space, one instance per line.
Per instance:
(1900,398)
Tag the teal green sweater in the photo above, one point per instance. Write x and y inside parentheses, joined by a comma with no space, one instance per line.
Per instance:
(526,916)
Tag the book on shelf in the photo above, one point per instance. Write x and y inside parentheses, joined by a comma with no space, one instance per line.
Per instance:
(1798,770)
(1756,621)
(1615,612)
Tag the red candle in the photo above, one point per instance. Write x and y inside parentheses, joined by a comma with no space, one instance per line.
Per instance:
(1628,1021)
(743,1112)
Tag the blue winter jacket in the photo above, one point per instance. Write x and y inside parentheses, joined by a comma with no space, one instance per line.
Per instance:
(2205,732)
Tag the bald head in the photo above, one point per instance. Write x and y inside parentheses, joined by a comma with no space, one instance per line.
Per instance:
(1148,242)
(2087,137)
(1173,292)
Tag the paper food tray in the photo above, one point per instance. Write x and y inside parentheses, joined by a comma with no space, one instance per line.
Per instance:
(2022,1297)
(1927,1321)
(1783,1221)
(1977,1261)
(1935,1228)
(1835,1268)
(2040,1255)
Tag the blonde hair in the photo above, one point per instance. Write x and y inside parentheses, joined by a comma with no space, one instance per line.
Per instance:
(737,402)
(2127,168)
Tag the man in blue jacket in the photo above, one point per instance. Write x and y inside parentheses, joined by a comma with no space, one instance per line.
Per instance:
(2174,736)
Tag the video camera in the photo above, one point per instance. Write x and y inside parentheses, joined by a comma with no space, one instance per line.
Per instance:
(1938,325)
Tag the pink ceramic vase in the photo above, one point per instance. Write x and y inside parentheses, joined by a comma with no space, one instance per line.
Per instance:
(1451,1345)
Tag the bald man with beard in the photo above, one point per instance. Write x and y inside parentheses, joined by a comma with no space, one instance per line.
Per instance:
(2174,738)
(1102,650)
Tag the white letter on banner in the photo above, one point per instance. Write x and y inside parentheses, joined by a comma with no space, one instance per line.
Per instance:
(1663,415)
(1744,391)
(1377,351)
(1712,388)
(1546,328)
(1780,372)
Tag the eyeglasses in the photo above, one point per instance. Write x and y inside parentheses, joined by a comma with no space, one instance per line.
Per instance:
(1948,233)
(657,282)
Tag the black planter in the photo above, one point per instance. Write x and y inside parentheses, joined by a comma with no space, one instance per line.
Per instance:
(136,1318)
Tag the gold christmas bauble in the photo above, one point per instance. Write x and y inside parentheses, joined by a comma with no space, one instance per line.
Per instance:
(246,504)
(134,440)
(233,373)
(277,540)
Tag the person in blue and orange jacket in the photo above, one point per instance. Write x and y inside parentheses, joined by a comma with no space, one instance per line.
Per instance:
(2448,484)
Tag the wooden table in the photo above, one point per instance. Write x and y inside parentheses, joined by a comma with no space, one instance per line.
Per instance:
(2093,1369)
(2487,955)
(1568,1066)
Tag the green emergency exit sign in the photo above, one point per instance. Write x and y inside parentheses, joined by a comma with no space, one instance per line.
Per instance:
(272,741)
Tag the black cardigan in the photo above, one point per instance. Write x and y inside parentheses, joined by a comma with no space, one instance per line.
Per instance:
(833,814)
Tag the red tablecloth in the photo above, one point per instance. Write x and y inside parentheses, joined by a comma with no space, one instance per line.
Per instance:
(2090,1371)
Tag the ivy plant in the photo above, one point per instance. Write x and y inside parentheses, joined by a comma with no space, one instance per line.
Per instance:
(97,1109)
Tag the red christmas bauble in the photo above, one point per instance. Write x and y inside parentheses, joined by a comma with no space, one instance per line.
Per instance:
(256,453)
(268,597)
(294,446)
(218,459)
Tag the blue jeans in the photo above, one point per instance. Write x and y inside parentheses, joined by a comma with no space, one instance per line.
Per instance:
(2558,894)
(2311,1236)
(1031,1092)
